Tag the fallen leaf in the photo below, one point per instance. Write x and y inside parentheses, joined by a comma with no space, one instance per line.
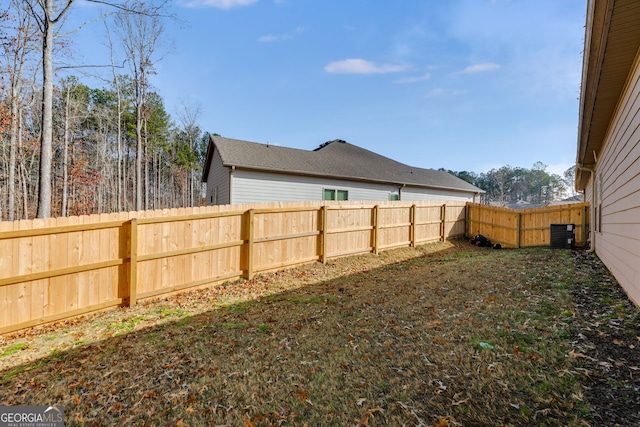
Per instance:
(302,395)
(444,422)
(181,423)
(360,401)
(441,387)
(573,353)
(372,411)
(460,402)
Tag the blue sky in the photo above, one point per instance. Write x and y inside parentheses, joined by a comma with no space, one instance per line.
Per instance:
(459,84)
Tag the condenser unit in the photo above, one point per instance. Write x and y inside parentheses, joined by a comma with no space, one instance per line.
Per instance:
(563,236)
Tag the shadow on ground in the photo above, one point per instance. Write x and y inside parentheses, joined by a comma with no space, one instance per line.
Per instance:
(463,336)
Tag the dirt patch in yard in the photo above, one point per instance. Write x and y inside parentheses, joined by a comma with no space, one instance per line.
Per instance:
(444,334)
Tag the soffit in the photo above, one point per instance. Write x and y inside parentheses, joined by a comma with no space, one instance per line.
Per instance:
(612,41)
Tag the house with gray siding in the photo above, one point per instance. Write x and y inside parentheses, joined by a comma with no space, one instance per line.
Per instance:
(608,152)
(239,171)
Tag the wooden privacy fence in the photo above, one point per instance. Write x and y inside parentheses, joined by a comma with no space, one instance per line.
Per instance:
(63,267)
(526,227)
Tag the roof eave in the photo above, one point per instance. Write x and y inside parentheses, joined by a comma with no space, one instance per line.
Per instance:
(351,178)
(610,49)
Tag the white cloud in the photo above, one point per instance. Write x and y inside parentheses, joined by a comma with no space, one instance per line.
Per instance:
(417,79)
(479,68)
(221,4)
(445,92)
(361,66)
(274,38)
(280,37)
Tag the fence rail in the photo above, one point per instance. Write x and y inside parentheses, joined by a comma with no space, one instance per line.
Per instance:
(526,227)
(58,268)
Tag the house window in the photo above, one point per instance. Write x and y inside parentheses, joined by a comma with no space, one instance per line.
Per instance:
(331,194)
(394,196)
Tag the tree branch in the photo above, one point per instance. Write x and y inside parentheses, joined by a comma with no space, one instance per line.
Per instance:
(151,12)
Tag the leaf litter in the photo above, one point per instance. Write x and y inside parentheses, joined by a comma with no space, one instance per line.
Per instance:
(441,335)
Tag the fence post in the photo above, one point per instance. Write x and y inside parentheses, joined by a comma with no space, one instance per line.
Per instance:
(412,230)
(249,250)
(323,234)
(518,228)
(467,220)
(374,230)
(131,299)
(443,222)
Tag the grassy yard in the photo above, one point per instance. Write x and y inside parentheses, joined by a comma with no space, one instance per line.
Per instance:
(448,334)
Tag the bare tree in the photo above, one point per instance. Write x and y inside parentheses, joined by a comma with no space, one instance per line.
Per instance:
(48,14)
(16,50)
(140,35)
(119,112)
(188,116)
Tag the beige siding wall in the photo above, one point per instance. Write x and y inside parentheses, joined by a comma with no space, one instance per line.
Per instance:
(617,195)
(218,182)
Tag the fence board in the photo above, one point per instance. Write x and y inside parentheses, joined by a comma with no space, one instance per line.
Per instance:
(527,227)
(99,261)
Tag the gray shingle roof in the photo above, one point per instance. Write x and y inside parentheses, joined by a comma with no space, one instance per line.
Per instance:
(335,159)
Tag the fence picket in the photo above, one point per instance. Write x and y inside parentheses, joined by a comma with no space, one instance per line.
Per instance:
(76,265)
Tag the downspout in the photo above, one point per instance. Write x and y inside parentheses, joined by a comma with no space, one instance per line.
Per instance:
(400,187)
(592,234)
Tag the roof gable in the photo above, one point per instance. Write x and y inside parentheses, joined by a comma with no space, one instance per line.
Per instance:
(335,159)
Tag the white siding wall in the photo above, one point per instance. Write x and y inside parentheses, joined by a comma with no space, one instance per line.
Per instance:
(618,243)
(218,178)
(252,187)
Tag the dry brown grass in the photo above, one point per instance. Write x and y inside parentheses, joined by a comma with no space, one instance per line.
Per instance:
(450,334)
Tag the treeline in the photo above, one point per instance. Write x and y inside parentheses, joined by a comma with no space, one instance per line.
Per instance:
(71,149)
(94,155)
(509,184)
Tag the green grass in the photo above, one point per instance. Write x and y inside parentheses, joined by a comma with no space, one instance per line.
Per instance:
(13,349)
(465,337)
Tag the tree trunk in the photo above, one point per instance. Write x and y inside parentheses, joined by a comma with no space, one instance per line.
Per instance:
(46,137)
(15,129)
(65,156)
(146,167)
(139,157)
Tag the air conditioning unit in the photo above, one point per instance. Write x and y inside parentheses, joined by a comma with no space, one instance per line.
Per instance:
(563,236)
